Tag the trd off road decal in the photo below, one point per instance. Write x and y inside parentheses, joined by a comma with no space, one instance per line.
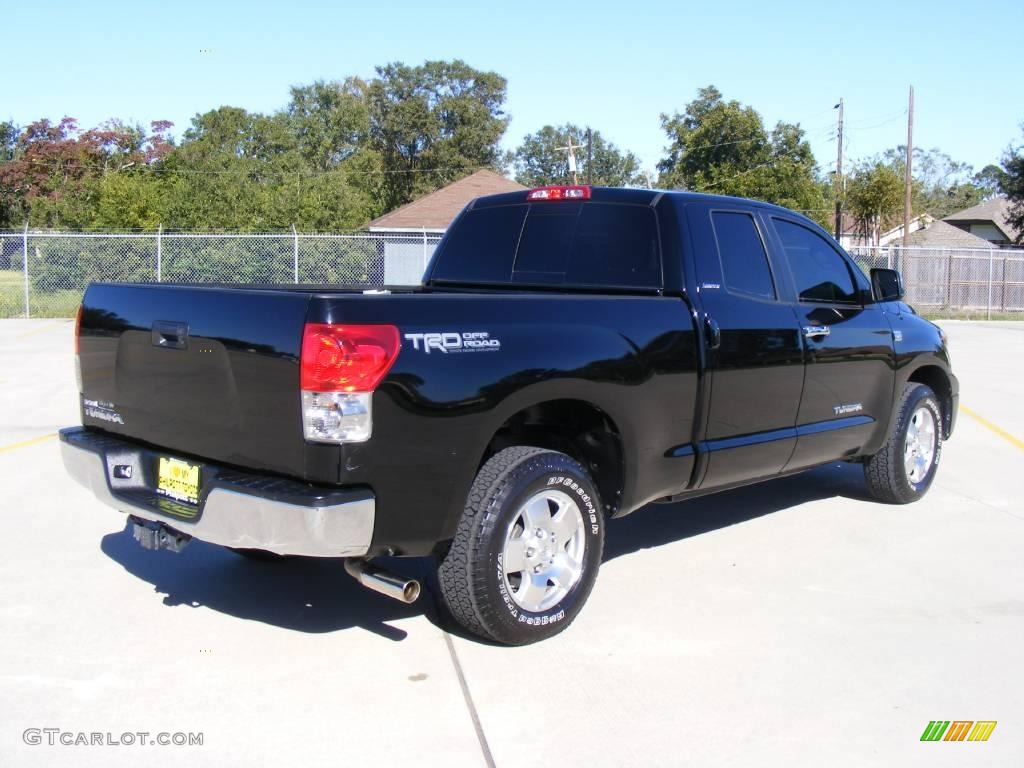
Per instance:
(450,342)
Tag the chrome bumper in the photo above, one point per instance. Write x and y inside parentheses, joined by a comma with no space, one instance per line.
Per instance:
(238,517)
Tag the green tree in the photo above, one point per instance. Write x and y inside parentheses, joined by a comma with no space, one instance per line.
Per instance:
(941,185)
(243,171)
(989,179)
(874,197)
(215,175)
(723,147)
(330,121)
(539,161)
(1011,184)
(432,124)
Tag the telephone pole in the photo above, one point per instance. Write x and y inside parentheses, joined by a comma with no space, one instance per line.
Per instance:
(571,149)
(590,157)
(908,177)
(839,175)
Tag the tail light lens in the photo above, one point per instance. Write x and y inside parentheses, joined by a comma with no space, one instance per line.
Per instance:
(78,360)
(341,365)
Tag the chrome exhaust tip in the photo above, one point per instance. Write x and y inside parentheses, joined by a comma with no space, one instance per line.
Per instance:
(380,580)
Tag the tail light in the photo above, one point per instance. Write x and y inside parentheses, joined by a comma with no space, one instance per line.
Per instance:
(340,367)
(78,359)
(574,192)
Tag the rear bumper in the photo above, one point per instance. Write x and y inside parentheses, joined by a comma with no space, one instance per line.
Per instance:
(235,509)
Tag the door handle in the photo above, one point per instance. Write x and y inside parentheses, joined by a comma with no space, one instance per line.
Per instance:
(170,334)
(814,331)
(712,333)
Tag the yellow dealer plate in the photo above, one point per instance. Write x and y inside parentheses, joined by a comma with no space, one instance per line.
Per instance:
(178,479)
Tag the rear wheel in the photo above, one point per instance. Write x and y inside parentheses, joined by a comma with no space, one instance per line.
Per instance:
(528,547)
(904,469)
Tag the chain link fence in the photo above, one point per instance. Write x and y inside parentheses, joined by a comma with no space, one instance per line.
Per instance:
(978,280)
(43,274)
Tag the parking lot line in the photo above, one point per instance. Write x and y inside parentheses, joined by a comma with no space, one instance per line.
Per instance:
(27,443)
(1013,440)
(34,331)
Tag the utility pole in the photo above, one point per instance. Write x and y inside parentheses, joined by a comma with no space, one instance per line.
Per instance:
(590,157)
(908,177)
(571,149)
(839,184)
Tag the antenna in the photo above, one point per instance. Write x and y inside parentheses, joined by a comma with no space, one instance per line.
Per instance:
(840,183)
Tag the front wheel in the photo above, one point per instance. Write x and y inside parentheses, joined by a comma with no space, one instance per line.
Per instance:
(527,549)
(904,469)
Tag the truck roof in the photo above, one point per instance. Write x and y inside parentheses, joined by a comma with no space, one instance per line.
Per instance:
(630,196)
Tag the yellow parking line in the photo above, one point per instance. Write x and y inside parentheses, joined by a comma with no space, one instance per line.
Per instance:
(989,425)
(27,443)
(34,331)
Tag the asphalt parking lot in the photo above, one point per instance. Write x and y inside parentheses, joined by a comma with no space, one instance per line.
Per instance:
(792,623)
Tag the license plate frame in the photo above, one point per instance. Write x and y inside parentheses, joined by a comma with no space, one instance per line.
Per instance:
(178,479)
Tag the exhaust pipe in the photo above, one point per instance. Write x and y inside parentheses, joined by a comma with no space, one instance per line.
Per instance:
(379,580)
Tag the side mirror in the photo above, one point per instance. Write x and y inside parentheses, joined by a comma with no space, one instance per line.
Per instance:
(886,285)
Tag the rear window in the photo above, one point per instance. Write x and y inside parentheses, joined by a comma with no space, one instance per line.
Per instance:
(482,246)
(744,261)
(560,243)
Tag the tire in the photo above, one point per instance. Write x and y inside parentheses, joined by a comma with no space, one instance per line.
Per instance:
(531,507)
(904,469)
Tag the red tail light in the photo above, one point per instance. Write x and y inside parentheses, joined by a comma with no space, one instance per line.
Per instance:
(347,358)
(574,192)
(78,326)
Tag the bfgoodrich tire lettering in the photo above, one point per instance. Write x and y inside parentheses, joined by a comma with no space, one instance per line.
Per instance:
(536,513)
(904,469)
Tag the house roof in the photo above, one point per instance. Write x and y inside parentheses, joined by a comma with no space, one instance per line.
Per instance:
(996,210)
(437,210)
(939,234)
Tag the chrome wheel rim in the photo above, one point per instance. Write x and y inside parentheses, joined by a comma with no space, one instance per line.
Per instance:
(543,554)
(919,448)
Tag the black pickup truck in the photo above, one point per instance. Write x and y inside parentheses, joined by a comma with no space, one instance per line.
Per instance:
(573,354)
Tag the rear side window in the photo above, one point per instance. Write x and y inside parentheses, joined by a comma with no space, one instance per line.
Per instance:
(820,272)
(744,260)
(560,243)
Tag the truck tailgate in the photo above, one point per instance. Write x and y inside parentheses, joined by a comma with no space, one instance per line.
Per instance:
(203,371)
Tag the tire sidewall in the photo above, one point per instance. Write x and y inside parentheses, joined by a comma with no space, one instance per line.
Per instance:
(922,396)
(547,471)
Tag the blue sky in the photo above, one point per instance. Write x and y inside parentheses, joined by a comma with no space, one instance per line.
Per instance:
(614,66)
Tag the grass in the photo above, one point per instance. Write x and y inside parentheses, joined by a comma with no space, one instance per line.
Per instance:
(12,293)
(54,304)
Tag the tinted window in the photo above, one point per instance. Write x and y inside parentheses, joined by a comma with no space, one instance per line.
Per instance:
(744,260)
(547,238)
(615,245)
(482,246)
(589,244)
(820,272)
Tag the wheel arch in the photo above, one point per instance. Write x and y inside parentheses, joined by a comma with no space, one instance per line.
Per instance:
(579,428)
(935,377)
